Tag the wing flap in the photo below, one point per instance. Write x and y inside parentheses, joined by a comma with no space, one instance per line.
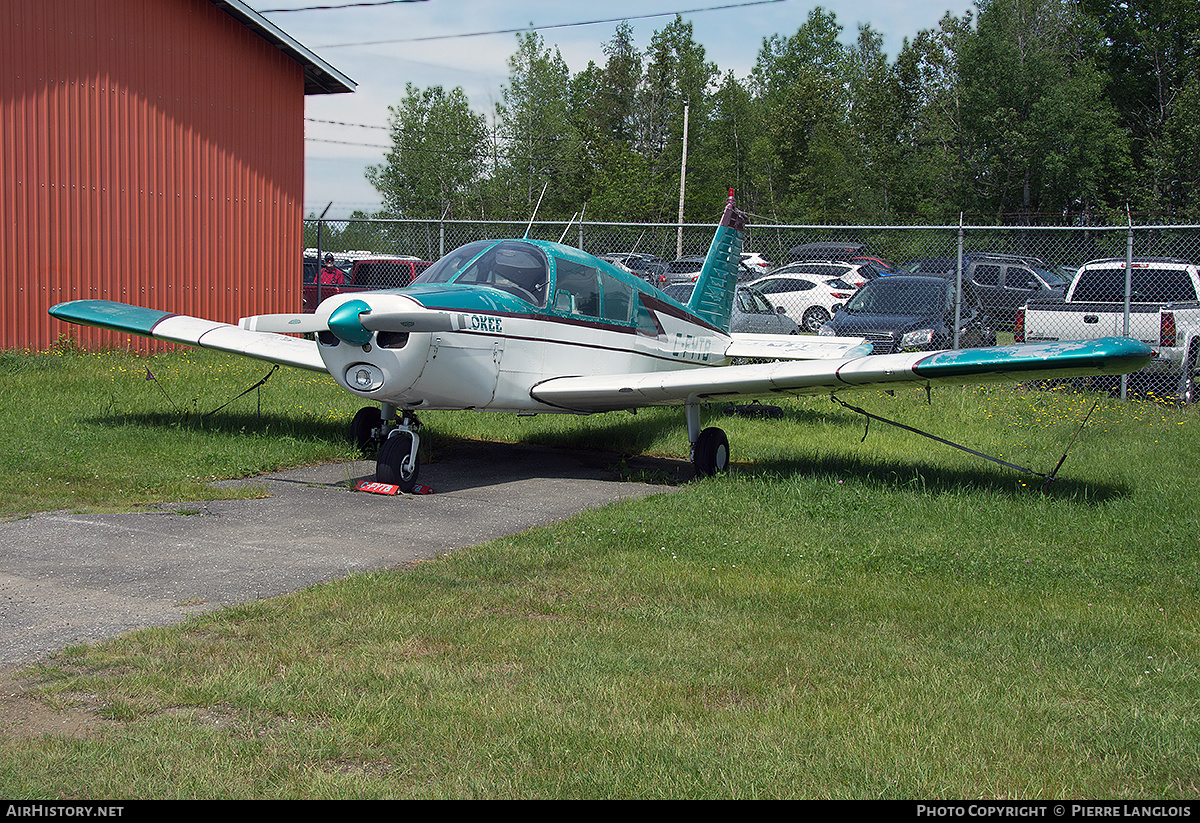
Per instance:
(192,331)
(800,377)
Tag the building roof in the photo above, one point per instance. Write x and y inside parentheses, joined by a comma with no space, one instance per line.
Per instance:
(319,76)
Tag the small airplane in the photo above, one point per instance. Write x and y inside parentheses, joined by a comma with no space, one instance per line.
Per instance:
(534,327)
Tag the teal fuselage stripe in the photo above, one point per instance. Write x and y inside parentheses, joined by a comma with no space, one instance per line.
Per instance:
(110,315)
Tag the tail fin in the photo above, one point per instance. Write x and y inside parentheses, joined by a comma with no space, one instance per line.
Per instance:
(712,298)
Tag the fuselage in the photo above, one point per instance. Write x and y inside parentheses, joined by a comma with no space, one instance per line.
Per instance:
(565,313)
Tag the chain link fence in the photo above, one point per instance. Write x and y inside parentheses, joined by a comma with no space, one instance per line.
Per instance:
(1016,282)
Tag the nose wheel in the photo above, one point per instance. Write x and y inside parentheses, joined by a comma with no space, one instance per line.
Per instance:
(397,462)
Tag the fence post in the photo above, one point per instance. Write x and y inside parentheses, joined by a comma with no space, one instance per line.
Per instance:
(958,284)
(1128,290)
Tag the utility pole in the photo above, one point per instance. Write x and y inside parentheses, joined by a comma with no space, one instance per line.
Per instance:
(682,183)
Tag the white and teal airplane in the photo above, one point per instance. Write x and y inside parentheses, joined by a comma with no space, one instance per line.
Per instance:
(532,327)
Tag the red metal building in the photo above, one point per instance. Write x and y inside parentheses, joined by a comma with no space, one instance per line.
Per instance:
(152,152)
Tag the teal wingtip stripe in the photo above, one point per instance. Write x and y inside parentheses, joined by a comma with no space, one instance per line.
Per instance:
(1113,355)
(108,314)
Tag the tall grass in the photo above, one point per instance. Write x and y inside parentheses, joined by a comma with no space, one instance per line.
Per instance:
(854,612)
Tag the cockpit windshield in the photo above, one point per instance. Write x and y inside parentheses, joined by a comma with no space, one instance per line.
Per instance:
(512,266)
(447,268)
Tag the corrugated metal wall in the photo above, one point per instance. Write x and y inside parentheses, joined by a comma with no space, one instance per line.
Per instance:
(151,151)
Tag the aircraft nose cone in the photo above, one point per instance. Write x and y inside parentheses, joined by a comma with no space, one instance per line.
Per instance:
(344,323)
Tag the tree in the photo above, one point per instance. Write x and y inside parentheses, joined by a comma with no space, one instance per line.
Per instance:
(807,155)
(436,161)
(1038,135)
(677,76)
(539,146)
(1151,54)
(929,175)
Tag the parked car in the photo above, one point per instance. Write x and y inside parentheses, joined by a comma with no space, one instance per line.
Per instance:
(1164,311)
(755,263)
(912,313)
(1006,282)
(649,267)
(855,274)
(826,250)
(810,300)
(752,312)
(684,269)
(367,274)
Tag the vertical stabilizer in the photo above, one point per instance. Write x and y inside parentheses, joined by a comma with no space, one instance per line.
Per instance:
(712,299)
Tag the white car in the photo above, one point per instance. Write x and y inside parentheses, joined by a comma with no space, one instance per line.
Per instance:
(810,300)
(857,273)
(755,263)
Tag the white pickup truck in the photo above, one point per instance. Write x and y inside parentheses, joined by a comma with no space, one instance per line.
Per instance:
(1163,311)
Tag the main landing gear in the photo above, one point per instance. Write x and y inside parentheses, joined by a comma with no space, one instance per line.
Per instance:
(395,443)
(710,447)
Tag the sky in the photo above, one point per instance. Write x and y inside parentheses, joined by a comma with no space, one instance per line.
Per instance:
(466,44)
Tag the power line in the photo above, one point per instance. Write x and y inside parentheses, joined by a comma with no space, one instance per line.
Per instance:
(342,6)
(551,26)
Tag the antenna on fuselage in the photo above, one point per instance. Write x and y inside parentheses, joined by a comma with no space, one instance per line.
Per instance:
(567,227)
(535,210)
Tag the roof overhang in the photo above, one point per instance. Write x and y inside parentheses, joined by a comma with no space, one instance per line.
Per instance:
(319,76)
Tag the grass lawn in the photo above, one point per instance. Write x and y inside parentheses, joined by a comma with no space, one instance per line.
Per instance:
(853,612)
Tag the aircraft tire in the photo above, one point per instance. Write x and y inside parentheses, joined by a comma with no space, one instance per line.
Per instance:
(389,466)
(710,455)
(365,421)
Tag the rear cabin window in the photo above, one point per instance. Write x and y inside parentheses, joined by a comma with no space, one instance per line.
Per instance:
(577,288)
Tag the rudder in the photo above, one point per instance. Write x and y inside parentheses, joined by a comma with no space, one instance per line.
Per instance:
(712,298)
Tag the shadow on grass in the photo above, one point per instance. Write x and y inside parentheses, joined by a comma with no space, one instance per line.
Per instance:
(231,423)
(623,440)
(926,478)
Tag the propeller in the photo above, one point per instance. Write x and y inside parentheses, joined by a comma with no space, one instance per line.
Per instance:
(354,321)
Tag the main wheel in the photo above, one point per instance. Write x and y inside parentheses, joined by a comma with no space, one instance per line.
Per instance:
(366,422)
(393,466)
(710,454)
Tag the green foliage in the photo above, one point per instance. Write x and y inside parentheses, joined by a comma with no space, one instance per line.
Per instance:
(1028,110)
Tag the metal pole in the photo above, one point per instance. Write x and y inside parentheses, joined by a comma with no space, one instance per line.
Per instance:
(958,284)
(1128,290)
(682,181)
(320,262)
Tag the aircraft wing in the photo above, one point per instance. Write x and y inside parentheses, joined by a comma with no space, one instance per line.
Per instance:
(192,331)
(796,347)
(1042,361)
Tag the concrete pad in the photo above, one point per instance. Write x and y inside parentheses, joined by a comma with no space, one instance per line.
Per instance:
(70,578)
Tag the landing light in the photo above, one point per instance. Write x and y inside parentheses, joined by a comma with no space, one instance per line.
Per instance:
(364,377)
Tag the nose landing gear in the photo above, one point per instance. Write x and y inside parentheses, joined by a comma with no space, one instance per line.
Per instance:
(396,462)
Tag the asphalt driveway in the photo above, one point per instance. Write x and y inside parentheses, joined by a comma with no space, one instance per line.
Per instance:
(70,578)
